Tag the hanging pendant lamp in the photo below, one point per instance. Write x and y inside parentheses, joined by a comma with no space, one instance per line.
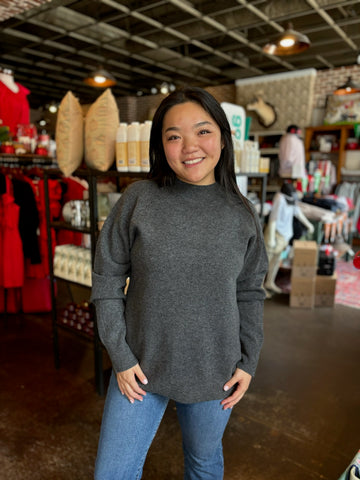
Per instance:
(100,78)
(347,88)
(289,42)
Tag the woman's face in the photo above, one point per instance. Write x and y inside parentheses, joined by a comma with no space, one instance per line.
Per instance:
(192,143)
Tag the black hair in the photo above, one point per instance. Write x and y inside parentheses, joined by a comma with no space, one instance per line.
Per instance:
(160,170)
(288,189)
(292,129)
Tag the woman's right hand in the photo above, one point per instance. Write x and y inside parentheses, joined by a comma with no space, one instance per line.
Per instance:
(128,385)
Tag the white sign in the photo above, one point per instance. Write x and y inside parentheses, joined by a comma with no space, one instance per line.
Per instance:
(236,116)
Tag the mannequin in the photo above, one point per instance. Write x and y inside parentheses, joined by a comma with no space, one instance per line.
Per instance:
(6,77)
(14,106)
(292,154)
(279,230)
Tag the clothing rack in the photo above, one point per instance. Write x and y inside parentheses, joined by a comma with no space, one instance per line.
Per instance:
(21,172)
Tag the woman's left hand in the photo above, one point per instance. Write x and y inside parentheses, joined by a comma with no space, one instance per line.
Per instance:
(242,379)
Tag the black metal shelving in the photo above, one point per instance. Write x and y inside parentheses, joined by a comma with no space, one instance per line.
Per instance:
(92,177)
(28,159)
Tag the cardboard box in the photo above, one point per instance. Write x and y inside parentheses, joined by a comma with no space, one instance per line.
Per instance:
(325,287)
(302,294)
(305,253)
(300,271)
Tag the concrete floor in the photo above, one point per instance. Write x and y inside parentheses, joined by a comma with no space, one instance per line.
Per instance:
(300,419)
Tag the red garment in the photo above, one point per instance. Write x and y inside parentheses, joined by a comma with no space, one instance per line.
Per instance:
(11,249)
(13,300)
(14,107)
(41,270)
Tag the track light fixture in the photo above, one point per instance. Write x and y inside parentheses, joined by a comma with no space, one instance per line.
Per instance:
(289,42)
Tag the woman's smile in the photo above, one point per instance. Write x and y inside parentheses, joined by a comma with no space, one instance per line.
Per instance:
(194,161)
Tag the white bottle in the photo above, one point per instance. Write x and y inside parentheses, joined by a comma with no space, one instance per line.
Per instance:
(133,142)
(145,130)
(121,148)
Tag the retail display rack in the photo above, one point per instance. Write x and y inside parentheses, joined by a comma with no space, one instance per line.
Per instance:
(339,135)
(92,177)
(30,159)
(268,141)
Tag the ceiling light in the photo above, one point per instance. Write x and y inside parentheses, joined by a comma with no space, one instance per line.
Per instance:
(289,42)
(53,108)
(348,87)
(164,88)
(100,78)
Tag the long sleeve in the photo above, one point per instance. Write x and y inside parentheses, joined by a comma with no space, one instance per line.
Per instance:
(111,269)
(250,298)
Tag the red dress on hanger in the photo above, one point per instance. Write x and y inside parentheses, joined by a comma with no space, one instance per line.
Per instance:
(41,270)
(11,250)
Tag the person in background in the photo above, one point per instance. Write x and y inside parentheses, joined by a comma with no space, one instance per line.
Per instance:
(292,154)
(189,328)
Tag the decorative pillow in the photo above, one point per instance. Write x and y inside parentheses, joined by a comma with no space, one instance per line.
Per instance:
(69,134)
(101,123)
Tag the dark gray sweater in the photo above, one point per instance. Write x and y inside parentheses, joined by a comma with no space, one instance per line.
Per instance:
(194,307)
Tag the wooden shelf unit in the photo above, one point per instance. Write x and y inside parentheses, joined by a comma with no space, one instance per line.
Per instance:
(342,132)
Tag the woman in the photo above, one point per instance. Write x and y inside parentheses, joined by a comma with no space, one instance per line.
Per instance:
(190,327)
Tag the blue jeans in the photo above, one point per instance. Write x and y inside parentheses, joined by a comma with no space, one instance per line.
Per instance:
(127,431)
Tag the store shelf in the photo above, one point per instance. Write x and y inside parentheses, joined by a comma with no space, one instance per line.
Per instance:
(269,147)
(60,225)
(92,177)
(350,173)
(269,151)
(261,188)
(320,152)
(64,279)
(25,159)
(337,156)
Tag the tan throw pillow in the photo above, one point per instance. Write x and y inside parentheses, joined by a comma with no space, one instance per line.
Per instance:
(69,134)
(101,123)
